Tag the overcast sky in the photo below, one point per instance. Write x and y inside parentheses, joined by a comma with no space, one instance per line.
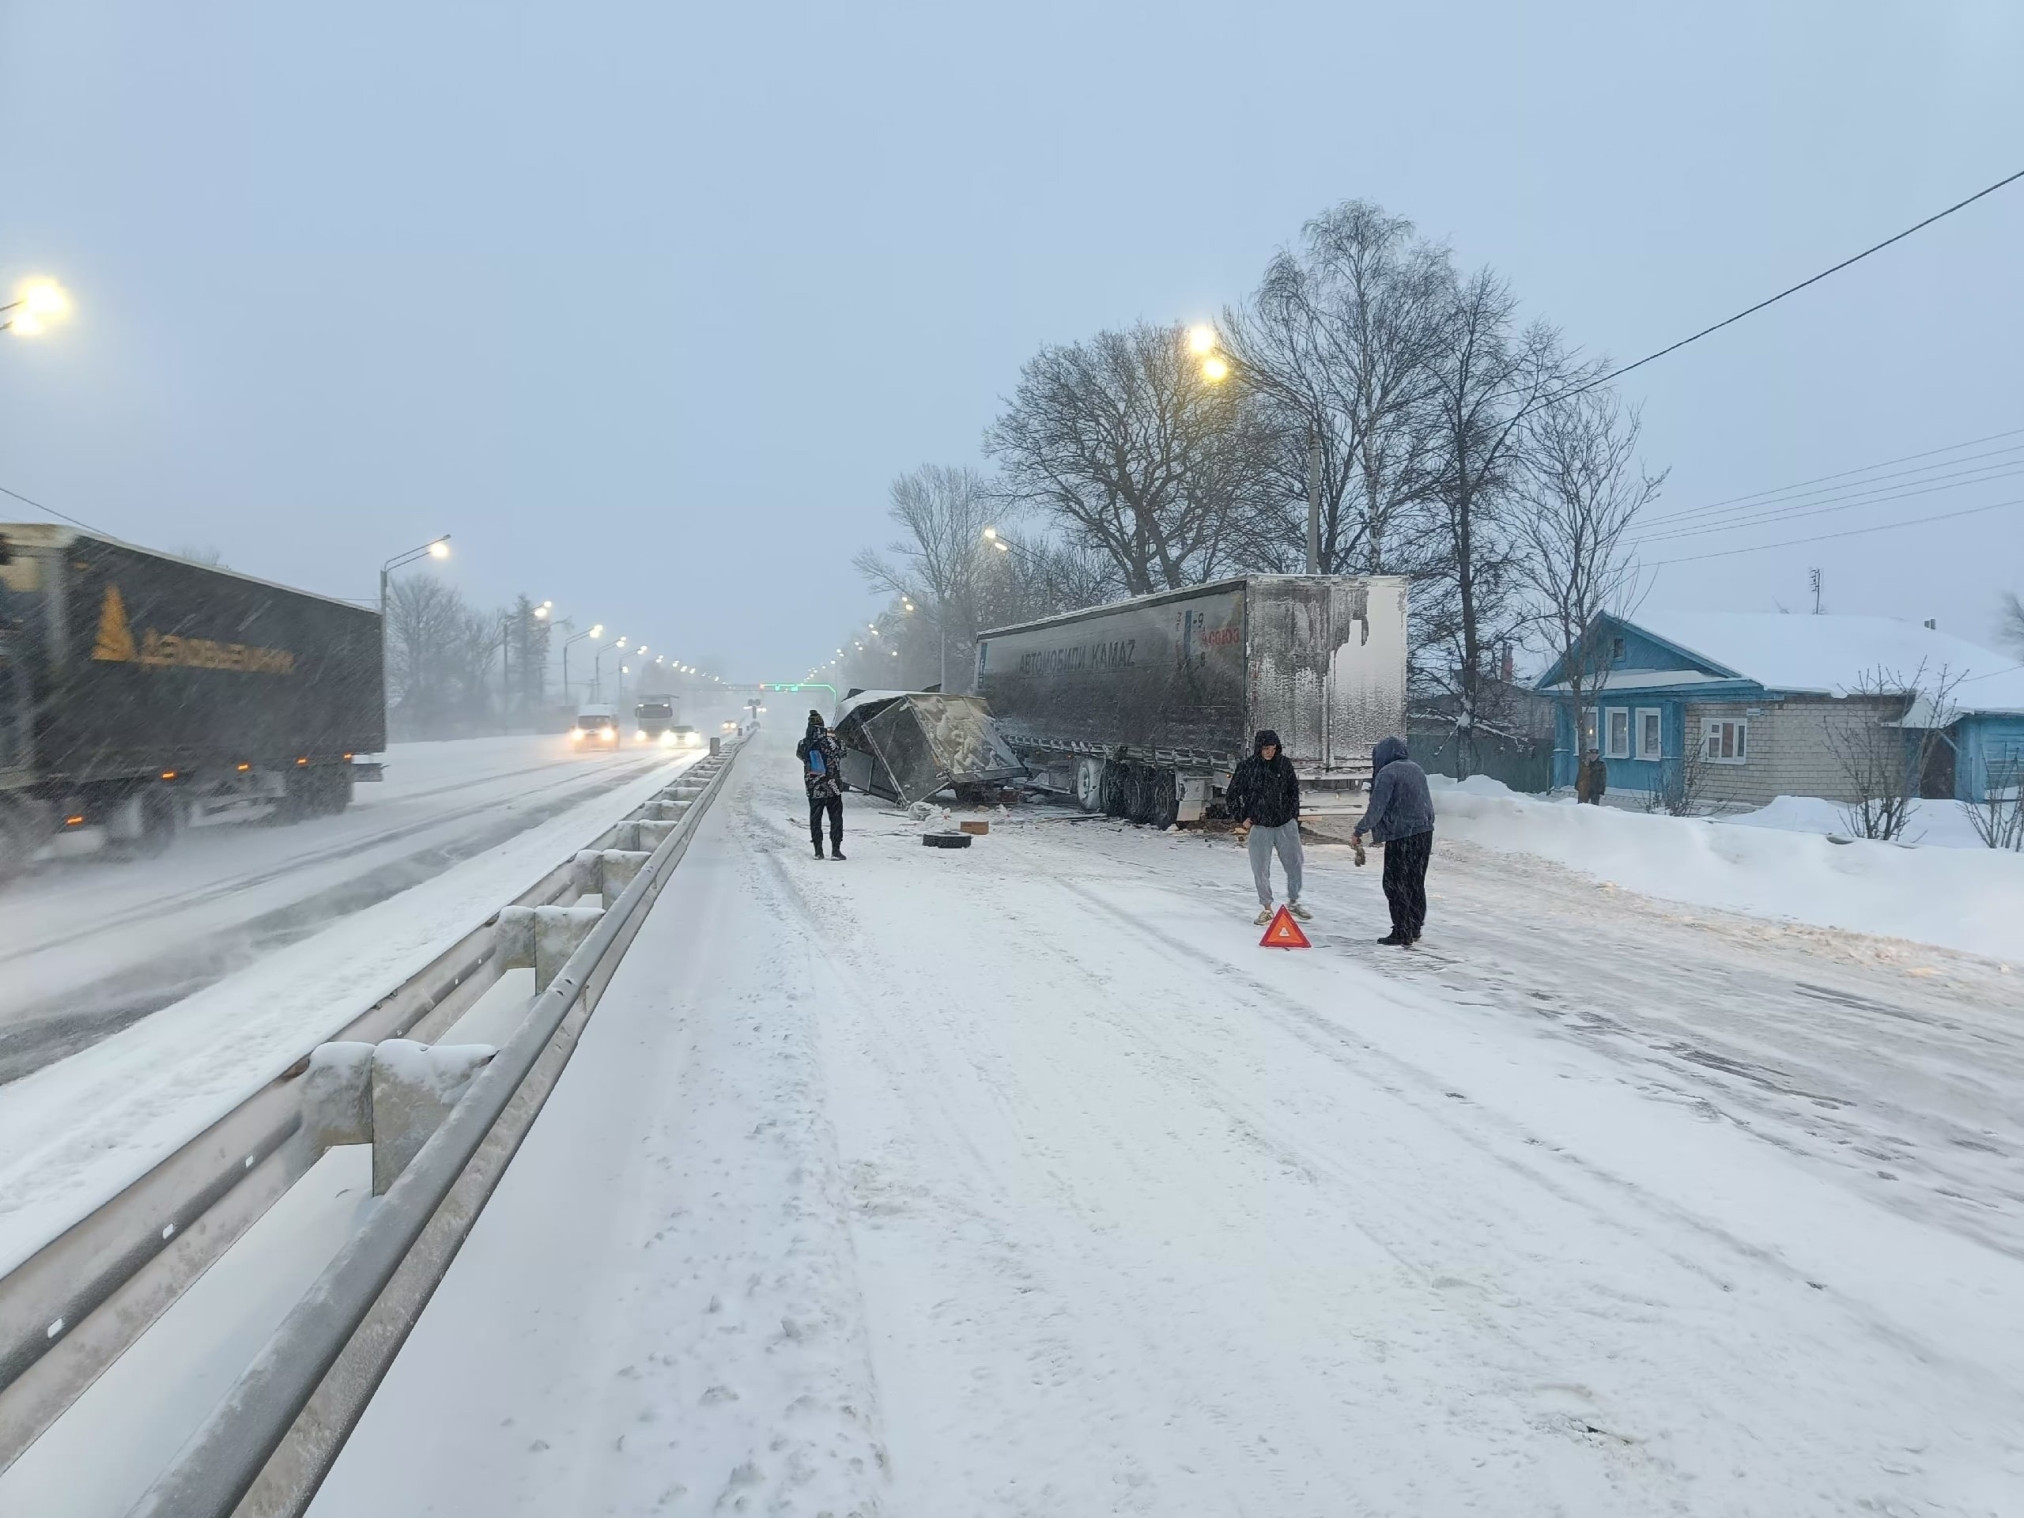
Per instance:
(646,304)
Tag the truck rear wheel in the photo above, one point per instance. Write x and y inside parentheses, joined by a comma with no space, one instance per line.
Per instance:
(162,818)
(1116,790)
(18,839)
(1165,810)
(1089,784)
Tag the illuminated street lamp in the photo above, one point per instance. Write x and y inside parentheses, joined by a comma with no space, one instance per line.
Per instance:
(593,633)
(36,304)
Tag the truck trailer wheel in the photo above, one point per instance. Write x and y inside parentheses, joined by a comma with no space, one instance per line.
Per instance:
(1116,789)
(162,818)
(1089,784)
(19,839)
(1166,800)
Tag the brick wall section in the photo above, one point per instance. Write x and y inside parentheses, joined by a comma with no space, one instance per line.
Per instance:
(1792,748)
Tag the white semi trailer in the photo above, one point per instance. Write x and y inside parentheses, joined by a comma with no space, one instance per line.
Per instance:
(1142,708)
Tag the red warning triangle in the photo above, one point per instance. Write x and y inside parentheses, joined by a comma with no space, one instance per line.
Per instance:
(1284,933)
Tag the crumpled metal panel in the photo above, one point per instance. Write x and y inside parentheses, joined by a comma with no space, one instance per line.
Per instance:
(907,748)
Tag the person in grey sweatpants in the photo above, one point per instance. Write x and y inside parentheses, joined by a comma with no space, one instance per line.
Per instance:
(1264,797)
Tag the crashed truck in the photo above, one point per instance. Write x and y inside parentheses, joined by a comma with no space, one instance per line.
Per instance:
(904,746)
(1142,708)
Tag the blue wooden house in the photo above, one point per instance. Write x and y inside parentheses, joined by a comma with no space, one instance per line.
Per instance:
(1758,703)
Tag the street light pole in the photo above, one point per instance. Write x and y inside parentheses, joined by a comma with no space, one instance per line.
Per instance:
(435,548)
(1314,500)
(594,632)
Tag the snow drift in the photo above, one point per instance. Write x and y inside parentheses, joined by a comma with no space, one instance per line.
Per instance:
(1955,898)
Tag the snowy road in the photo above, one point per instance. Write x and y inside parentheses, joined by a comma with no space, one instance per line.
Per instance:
(1020,1181)
(145,1000)
(89,943)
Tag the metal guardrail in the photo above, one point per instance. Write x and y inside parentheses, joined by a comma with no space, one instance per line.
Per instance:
(267,1447)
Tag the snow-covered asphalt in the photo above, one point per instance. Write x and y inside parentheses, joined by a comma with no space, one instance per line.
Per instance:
(90,942)
(1019,1180)
(291,933)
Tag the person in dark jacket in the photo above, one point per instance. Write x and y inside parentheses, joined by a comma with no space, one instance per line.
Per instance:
(1264,797)
(1401,817)
(1591,782)
(821,759)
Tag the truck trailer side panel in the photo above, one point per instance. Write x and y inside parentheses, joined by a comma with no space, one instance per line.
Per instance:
(140,663)
(1161,673)
(1187,677)
(1327,666)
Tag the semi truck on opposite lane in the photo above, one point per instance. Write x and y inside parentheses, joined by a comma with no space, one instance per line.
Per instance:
(134,684)
(1142,708)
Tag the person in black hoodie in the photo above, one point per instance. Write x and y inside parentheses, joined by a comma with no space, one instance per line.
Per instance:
(1401,817)
(821,759)
(1264,797)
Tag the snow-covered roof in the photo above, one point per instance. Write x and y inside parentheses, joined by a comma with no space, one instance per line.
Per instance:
(1831,654)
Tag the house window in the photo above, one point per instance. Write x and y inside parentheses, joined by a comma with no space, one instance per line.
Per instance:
(1649,730)
(1616,650)
(1616,731)
(1724,741)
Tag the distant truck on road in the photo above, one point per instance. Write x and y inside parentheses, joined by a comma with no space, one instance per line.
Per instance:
(134,685)
(654,719)
(1142,708)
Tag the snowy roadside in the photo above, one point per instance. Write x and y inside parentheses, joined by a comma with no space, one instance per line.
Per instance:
(77,1131)
(1967,899)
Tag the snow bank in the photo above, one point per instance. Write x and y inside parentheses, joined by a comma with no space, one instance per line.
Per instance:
(1956,898)
(1934,824)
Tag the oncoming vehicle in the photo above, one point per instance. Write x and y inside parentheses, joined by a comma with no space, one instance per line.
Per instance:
(653,719)
(685,737)
(595,725)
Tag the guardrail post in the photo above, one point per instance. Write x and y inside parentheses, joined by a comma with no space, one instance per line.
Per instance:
(414,1086)
(337,1097)
(557,932)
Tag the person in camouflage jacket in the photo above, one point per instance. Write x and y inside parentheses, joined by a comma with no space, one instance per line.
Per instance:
(821,759)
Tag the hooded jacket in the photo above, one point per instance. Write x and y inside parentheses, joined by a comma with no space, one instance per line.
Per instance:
(1264,791)
(1400,804)
(827,781)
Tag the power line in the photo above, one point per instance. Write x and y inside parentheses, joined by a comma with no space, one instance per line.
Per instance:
(1730,321)
(1800,488)
(1853,532)
(1854,502)
(75,522)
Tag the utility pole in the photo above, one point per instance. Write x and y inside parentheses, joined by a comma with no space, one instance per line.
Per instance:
(1813,579)
(1314,500)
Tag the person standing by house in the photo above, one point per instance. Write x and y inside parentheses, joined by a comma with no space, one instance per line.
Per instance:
(1591,780)
(1264,797)
(821,759)
(1401,817)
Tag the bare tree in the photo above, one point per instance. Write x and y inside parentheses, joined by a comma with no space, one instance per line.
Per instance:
(934,567)
(1489,377)
(1882,749)
(1129,448)
(526,639)
(1681,782)
(1341,343)
(1998,818)
(439,659)
(1580,490)
(2010,626)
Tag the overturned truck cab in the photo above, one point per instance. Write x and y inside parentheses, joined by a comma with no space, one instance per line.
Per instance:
(904,746)
(1142,708)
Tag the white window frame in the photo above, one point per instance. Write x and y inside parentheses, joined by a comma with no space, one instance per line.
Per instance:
(1658,716)
(1711,733)
(1608,744)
